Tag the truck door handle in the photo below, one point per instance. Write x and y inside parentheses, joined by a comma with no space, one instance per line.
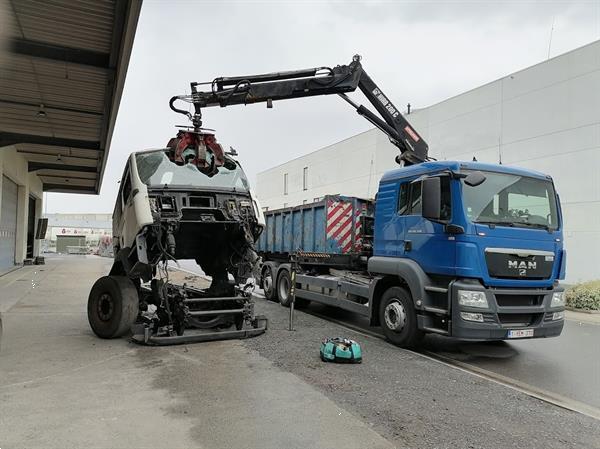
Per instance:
(407,245)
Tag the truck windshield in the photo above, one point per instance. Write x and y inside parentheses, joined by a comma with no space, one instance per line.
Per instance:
(512,200)
(155,169)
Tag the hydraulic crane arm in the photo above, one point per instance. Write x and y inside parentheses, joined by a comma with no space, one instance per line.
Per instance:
(228,91)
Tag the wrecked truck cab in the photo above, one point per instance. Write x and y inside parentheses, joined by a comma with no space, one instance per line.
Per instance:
(190,200)
(165,209)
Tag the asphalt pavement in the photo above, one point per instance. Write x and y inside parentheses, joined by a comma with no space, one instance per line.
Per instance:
(413,400)
(62,387)
(567,367)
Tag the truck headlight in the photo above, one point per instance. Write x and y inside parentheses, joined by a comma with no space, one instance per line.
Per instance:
(471,298)
(558,299)
(558,316)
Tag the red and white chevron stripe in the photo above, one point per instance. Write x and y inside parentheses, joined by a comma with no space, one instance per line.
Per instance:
(340,221)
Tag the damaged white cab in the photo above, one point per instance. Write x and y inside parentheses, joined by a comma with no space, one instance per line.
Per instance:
(190,200)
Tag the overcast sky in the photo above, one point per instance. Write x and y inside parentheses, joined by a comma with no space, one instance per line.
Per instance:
(420,52)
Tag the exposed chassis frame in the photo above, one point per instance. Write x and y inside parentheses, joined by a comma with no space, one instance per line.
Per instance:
(252,325)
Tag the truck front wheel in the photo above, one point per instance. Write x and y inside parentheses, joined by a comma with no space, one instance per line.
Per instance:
(113,306)
(398,318)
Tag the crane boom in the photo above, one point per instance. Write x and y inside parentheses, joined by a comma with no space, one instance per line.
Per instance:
(340,80)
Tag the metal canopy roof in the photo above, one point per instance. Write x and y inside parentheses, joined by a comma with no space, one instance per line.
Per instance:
(61,83)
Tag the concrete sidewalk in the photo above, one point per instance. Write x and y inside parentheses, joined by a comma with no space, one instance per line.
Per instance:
(61,387)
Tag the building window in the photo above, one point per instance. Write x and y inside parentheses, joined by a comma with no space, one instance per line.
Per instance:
(284,205)
(285,183)
(305,179)
(304,201)
(265,209)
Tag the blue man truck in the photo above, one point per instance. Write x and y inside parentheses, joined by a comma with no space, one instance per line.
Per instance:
(462,249)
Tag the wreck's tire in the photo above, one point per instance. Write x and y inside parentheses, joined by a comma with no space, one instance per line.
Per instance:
(398,318)
(268,283)
(112,306)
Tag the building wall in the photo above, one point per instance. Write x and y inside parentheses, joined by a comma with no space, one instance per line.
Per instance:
(92,226)
(546,117)
(14,166)
(339,168)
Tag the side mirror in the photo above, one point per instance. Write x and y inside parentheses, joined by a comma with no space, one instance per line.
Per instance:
(474,178)
(432,198)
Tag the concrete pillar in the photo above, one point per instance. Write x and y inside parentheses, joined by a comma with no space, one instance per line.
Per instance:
(22,213)
(39,207)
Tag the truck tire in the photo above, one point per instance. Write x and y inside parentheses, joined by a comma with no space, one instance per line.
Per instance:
(284,284)
(113,306)
(268,283)
(398,318)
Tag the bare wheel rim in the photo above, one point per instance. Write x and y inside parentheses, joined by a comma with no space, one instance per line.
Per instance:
(106,307)
(284,288)
(395,315)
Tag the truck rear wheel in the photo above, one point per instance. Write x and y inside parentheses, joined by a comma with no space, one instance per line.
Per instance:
(284,285)
(398,318)
(268,283)
(113,306)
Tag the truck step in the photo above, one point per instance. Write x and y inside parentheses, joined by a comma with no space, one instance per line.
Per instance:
(435,310)
(435,330)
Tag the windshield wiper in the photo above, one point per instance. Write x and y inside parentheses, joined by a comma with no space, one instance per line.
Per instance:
(533,225)
(512,224)
(494,223)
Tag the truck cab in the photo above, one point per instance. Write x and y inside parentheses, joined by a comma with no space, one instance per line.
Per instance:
(190,200)
(165,207)
(479,246)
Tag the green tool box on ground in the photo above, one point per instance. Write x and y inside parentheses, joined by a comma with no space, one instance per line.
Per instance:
(341,350)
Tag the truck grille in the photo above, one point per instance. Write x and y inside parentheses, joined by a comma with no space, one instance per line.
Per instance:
(519,319)
(502,264)
(519,300)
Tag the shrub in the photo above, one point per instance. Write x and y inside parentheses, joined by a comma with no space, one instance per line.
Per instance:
(584,296)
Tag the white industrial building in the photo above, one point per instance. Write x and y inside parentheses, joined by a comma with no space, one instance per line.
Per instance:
(84,230)
(545,117)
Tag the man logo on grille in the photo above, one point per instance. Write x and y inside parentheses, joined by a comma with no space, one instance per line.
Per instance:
(522,266)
